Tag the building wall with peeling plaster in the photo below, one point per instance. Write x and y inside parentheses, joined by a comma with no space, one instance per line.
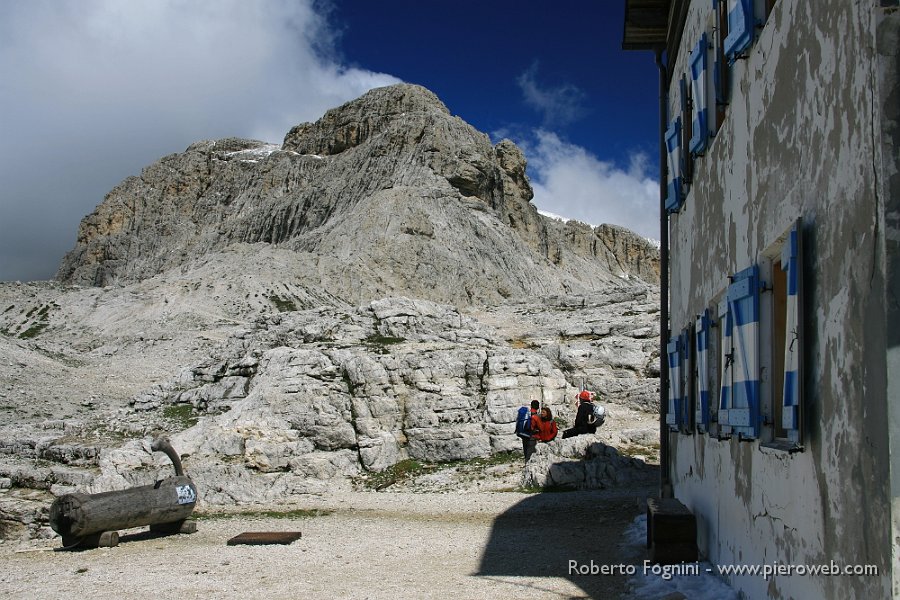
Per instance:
(811,132)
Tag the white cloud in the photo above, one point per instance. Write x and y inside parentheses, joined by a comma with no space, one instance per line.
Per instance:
(571,182)
(561,105)
(93,90)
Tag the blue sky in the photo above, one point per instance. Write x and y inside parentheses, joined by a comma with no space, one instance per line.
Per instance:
(94,90)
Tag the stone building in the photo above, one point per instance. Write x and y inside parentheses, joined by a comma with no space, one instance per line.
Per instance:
(780,217)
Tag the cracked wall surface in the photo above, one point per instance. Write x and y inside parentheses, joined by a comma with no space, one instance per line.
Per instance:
(810,132)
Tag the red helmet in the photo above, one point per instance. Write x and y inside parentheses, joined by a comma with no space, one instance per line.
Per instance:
(584,395)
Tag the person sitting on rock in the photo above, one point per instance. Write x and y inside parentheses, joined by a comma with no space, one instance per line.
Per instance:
(584,416)
(544,427)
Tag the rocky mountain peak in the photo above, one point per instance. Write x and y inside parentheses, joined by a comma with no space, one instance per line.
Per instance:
(388,194)
(354,122)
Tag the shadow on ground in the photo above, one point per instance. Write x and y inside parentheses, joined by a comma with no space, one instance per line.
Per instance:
(554,534)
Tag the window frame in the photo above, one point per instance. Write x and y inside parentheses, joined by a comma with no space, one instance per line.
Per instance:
(687,158)
(720,64)
(688,382)
(788,406)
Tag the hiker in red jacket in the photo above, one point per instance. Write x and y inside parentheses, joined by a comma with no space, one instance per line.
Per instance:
(543,426)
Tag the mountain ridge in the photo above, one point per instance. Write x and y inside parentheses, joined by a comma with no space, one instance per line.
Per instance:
(383,182)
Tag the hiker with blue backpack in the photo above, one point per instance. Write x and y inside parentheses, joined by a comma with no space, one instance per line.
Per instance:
(589,417)
(533,427)
(525,427)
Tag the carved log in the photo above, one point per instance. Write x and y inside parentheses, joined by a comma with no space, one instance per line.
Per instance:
(78,518)
(80,515)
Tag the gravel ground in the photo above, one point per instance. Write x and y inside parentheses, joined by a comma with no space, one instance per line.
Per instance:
(363,545)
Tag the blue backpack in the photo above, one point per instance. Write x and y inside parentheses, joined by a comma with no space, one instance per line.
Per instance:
(523,423)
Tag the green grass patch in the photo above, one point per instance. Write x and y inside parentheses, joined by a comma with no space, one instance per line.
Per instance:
(380,344)
(636,451)
(501,458)
(403,470)
(410,469)
(40,324)
(34,330)
(383,340)
(297,513)
(282,304)
(181,414)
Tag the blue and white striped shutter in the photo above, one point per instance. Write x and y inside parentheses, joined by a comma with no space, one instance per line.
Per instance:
(790,262)
(673,145)
(700,114)
(701,413)
(725,368)
(673,350)
(743,306)
(684,420)
(740,28)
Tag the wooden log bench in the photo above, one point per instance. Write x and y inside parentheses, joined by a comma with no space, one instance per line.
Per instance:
(671,531)
(92,520)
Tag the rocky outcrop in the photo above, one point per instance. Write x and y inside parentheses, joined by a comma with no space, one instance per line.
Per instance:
(584,463)
(388,194)
(306,400)
(325,394)
(633,255)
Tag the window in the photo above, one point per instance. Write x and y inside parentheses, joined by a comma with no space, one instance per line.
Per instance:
(739,411)
(720,66)
(699,114)
(681,382)
(688,381)
(791,388)
(687,162)
(778,329)
(725,364)
(702,348)
(740,29)
(673,146)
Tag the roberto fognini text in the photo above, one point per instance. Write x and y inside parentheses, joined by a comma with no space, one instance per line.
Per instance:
(648,568)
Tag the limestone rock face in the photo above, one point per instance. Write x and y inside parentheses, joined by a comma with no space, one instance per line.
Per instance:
(386,195)
(333,394)
(632,253)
